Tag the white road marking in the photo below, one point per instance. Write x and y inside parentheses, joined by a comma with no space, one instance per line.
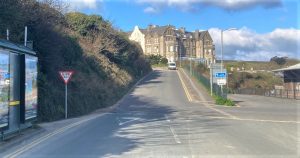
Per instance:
(130,119)
(230,146)
(167,118)
(175,136)
(254,120)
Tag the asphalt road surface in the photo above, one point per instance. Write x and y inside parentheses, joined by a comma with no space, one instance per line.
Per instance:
(157,120)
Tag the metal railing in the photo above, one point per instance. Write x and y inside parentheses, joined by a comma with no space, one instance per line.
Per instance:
(279,93)
(216,89)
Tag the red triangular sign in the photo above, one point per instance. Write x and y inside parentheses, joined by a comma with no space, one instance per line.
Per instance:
(66,75)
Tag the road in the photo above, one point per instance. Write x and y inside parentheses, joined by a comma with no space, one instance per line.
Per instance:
(156,119)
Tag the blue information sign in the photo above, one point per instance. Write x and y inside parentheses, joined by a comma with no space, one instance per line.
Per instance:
(220,75)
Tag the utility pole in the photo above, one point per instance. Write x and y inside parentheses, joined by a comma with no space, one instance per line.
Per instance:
(222,53)
(222,59)
(179,55)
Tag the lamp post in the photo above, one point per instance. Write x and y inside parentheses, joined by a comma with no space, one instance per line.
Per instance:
(230,29)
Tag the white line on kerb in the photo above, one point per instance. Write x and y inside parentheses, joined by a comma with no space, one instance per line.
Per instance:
(44,138)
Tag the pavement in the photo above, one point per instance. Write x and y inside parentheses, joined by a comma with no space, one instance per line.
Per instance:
(168,115)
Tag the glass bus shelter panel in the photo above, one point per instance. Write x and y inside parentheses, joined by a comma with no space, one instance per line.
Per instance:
(31,88)
(4,89)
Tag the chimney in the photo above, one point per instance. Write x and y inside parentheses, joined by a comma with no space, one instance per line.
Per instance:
(197,34)
(150,26)
(182,29)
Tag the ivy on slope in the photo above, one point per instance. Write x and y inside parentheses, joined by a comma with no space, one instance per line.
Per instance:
(105,62)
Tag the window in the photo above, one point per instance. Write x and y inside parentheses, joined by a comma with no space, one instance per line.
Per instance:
(171,49)
(156,49)
(207,51)
(148,49)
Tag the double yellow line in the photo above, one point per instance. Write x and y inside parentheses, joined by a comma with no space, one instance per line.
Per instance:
(184,87)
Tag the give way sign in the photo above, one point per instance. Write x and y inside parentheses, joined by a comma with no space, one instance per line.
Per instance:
(66,75)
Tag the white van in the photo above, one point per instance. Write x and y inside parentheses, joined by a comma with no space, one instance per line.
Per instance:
(172,66)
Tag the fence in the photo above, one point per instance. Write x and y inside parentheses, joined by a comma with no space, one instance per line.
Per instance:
(280,93)
(216,89)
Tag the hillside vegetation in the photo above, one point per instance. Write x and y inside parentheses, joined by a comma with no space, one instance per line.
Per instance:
(256,74)
(105,62)
(260,65)
(251,74)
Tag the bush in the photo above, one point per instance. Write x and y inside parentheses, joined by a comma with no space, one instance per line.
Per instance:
(224,101)
(157,60)
(279,60)
(220,100)
(164,61)
(229,102)
(86,44)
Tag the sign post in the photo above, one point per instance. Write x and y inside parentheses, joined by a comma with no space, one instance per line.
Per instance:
(66,76)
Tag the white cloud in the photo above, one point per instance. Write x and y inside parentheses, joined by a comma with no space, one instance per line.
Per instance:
(245,44)
(192,5)
(151,10)
(77,5)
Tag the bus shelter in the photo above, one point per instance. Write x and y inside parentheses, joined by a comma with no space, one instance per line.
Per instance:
(18,87)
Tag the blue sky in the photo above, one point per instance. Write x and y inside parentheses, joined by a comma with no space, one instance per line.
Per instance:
(265,27)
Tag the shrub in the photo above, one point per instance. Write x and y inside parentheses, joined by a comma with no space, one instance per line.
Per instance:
(224,101)
(220,100)
(157,60)
(74,41)
(229,102)
(164,61)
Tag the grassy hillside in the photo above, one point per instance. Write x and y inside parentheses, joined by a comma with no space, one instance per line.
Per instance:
(259,65)
(264,80)
(259,79)
(261,76)
(105,62)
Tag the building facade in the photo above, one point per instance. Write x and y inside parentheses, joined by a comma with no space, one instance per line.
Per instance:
(173,43)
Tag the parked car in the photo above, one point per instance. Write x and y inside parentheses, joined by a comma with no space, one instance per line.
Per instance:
(172,66)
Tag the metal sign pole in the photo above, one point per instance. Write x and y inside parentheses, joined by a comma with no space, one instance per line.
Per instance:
(222,59)
(66,101)
(211,80)
(66,76)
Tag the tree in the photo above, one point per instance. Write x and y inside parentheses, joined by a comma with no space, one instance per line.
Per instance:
(279,60)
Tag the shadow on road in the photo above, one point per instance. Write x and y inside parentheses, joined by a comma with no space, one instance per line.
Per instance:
(140,121)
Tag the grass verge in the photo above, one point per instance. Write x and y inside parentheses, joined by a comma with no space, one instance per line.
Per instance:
(223,101)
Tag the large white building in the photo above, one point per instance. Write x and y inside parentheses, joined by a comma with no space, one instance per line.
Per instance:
(173,43)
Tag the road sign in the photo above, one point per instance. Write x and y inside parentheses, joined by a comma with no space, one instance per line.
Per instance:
(66,75)
(220,75)
(221,81)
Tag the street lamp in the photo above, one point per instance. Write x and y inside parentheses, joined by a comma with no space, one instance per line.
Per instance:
(230,29)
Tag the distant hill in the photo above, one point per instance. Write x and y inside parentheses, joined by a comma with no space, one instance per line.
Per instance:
(255,74)
(260,65)
(105,62)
